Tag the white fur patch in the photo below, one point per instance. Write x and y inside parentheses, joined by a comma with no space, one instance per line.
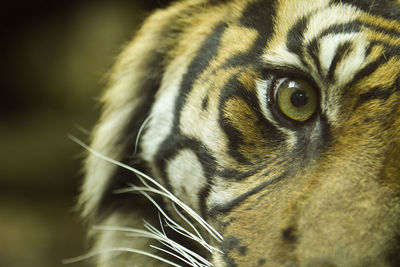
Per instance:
(348,67)
(203,125)
(328,46)
(221,193)
(186,177)
(163,110)
(281,56)
(98,171)
(262,95)
(322,20)
(161,122)
(345,69)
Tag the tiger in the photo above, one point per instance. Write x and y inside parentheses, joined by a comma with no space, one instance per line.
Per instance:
(250,133)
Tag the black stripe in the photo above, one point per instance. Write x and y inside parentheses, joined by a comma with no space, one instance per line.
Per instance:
(341,51)
(233,203)
(378,93)
(254,16)
(295,37)
(313,50)
(369,49)
(204,103)
(233,89)
(292,161)
(383,8)
(373,93)
(389,49)
(199,63)
(233,174)
(259,16)
(235,137)
(121,178)
(395,33)
(367,70)
(176,141)
(347,27)
(389,52)
(313,47)
(205,158)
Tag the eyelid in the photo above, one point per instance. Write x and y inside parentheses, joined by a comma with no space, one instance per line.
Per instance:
(277,83)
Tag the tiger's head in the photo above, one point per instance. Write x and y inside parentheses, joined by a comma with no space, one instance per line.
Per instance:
(273,126)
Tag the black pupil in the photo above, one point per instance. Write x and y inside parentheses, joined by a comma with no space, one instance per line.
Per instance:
(299,98)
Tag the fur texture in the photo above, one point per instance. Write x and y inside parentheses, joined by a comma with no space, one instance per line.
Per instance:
(192,102)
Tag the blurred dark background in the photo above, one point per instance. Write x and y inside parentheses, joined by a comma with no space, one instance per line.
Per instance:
(55,55)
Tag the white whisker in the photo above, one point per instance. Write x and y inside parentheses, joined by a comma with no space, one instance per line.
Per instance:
(210,248)
(121,249)
(173,254)
(144,124)
(131,231)
(155,234)
(187,221)
(82,129)
(185,207)
(200,239)
(152,190)
(172,224)
(172,245)
(161,224)
(151,234)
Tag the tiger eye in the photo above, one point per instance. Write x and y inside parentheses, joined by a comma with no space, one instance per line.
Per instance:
(299,98)
(296,99)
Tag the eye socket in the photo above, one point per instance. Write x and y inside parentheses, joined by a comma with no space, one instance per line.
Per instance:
(296,99)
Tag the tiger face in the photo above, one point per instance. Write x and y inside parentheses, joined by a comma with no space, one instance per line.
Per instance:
(262,133)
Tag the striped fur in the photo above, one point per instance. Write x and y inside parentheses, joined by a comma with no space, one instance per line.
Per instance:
(191,103)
